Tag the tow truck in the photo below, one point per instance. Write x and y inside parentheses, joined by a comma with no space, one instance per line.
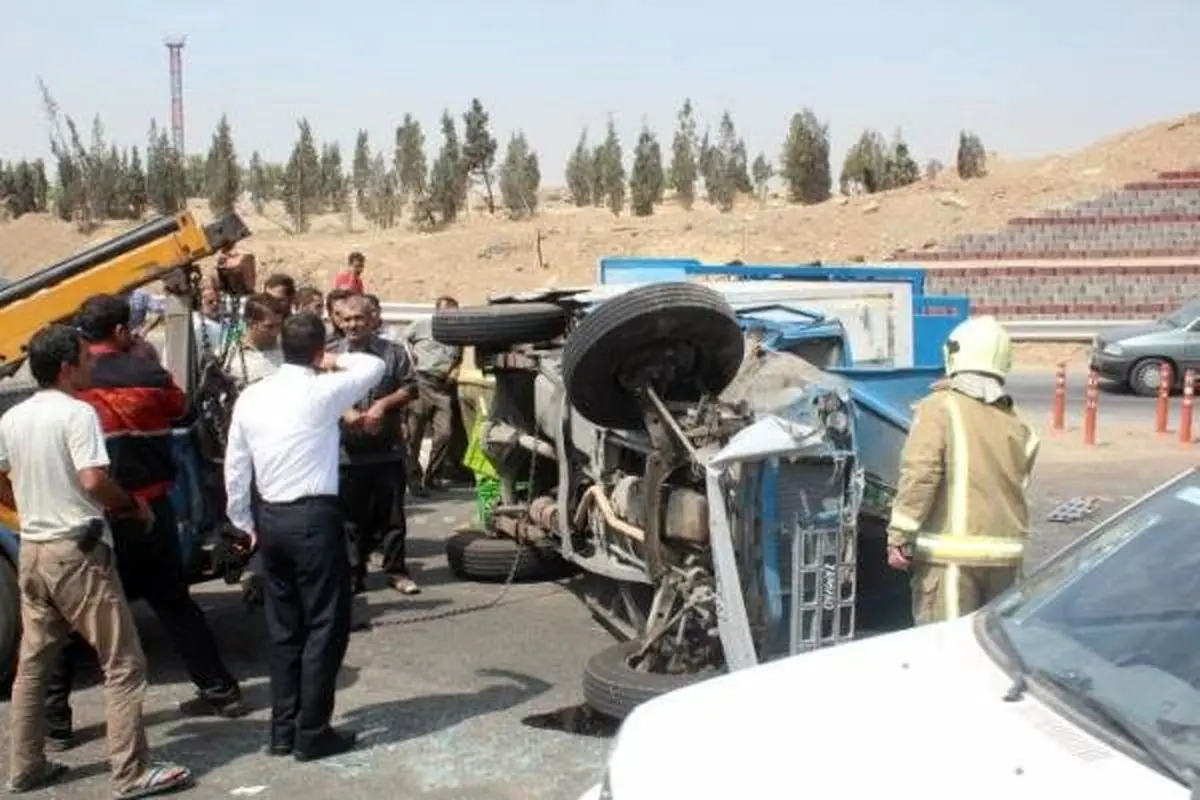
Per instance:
(166,249)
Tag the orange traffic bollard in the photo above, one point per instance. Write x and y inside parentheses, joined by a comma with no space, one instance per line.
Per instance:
(1164,398)
(1185,409)
(1059,420)
(1089,410)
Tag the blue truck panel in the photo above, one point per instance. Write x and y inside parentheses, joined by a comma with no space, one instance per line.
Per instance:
(631,269)
(882,407)
(934,316)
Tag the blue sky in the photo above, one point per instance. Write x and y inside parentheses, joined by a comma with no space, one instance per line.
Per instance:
(1029,77)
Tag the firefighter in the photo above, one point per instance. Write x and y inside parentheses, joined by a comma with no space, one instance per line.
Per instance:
(960,518)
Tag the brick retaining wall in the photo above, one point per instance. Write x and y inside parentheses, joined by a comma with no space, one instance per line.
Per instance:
(1070,290)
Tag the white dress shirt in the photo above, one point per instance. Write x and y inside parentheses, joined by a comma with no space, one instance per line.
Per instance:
(284,435)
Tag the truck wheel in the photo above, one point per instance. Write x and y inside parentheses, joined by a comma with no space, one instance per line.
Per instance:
(10,621)
(614,688)
(501,325)
(478,557)
(682,338)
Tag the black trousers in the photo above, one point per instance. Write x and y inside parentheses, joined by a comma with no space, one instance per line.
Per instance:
(307,589)
(372,498)
(151,569)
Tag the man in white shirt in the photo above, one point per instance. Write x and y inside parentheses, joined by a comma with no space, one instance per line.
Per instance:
(54,472)
(284,437)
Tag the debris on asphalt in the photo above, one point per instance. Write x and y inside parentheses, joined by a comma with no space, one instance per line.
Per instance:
(1074,510)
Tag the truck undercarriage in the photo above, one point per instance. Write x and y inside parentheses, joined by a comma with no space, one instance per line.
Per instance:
(713,487)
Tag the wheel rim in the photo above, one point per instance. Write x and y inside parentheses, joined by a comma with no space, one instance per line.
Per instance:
(1148,375)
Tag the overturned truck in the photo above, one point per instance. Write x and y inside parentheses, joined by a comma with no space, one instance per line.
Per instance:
(723,473)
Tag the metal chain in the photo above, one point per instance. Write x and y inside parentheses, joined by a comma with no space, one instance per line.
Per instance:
(494,601)
(434,616)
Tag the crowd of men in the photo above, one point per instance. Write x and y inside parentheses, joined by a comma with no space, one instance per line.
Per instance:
(324,443)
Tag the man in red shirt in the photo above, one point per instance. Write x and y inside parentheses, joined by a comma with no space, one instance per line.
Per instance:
(351,277)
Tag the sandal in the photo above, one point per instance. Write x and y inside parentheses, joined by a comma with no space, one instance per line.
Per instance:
(158,779)
(47,775)
(404,584)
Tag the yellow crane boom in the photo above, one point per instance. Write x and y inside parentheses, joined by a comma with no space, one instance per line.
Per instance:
(133,259)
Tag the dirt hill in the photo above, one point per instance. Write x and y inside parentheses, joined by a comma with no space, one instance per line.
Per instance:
(482,254)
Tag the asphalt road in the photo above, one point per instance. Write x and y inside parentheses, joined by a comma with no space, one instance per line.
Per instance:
(1033,391)
(442,706)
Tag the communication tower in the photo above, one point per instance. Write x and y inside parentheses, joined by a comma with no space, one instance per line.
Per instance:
(175,50)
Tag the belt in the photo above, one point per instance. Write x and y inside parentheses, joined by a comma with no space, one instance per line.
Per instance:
(306,500)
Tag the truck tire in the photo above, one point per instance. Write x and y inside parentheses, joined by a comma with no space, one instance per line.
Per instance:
(613,688)
(476,556)
(641,328)
(501,325)
(10,621)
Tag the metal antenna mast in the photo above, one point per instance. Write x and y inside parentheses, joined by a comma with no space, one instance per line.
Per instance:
(175,49)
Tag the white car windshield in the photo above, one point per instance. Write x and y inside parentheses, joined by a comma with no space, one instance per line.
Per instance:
(1115,620)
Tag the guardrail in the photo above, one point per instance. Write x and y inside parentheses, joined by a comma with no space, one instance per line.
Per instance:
(1028,330)
(1063,330)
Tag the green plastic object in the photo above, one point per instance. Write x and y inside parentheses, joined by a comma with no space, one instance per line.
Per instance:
(487,494)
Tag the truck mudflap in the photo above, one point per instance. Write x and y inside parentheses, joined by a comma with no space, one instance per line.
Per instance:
(784,496)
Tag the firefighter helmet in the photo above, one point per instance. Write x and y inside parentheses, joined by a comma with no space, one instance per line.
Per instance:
(979,344)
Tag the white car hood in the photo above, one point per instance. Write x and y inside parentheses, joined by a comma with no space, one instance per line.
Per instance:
(917,714)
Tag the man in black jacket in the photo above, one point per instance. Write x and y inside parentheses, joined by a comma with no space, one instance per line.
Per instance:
(372,450)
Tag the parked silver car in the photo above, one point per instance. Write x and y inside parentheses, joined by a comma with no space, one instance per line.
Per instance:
(1133,356)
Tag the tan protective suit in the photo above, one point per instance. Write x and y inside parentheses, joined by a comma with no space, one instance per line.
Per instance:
(475,391)
(960,507)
